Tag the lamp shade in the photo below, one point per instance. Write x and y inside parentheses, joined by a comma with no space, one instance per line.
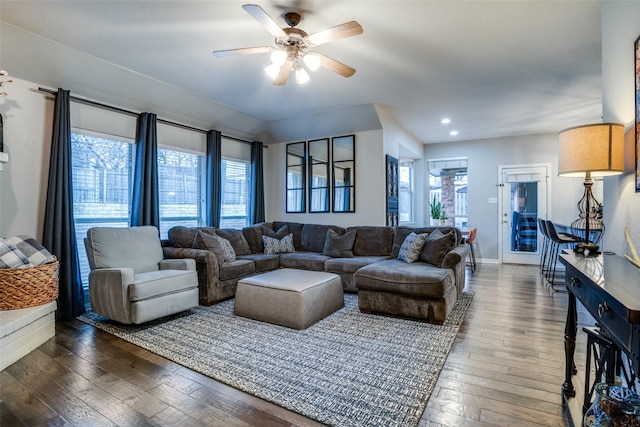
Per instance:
(597,149)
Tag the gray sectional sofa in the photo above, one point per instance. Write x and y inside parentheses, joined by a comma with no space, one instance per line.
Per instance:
(365,258)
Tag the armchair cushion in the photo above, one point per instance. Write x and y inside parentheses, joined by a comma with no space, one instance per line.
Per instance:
(162,282)
(138,248)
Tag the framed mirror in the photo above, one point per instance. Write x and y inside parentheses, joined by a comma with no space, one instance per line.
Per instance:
(296,177)
(319,183)
(343,156)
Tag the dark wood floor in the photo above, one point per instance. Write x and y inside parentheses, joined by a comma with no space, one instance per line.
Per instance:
(505,369)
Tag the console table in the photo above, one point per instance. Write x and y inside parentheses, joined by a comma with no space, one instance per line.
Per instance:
(608,286)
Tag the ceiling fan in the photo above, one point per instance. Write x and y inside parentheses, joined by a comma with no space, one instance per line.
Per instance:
(292,47)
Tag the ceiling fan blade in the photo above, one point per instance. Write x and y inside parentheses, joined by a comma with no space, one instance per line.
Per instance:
(261,16)
(335,66)
(283,75)
(348,29)
(243,51)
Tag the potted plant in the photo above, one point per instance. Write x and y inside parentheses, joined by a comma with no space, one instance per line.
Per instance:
(438,215)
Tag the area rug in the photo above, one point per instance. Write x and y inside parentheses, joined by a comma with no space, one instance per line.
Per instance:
(349,369)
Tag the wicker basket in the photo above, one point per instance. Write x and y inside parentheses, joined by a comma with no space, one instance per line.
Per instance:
(28,287)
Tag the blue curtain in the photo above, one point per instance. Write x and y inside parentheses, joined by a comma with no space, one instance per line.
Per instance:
(145,204)
(214,177)
(59,226)
(256,194)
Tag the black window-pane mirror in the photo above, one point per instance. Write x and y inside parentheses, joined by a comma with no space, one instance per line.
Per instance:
(344,186)
(319,175)
(296,177)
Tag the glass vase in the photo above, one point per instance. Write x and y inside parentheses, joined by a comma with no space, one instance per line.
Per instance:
(614,406)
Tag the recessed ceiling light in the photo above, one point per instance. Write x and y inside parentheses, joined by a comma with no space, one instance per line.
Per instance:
(453,133)
(445,121)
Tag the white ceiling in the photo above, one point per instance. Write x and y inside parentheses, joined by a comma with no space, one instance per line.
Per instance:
(496,68)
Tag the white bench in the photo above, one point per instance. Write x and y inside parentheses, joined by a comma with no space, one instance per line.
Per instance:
(288,297)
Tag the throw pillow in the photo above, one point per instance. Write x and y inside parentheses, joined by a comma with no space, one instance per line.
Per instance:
(227,248)
(11,256)
(437,246)
(278,246)
(339,246)
(32,249)
(278,234)
(412,247)
(211,242)
(181,236)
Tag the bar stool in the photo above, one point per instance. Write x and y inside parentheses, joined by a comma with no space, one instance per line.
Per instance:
(544,254)
(557,240)
(472,255)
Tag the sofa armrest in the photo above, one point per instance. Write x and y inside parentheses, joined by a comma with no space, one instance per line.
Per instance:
(207,268)
(456,260)
(178,264)
(108,292)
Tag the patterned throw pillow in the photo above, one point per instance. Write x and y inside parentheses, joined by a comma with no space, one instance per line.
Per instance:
(32,249)
(278,246)
(412,247)
(227,249)
(11,256)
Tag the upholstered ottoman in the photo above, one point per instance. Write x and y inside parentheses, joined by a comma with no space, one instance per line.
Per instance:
(288,297)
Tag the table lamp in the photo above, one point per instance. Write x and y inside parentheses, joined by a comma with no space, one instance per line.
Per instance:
(589,151)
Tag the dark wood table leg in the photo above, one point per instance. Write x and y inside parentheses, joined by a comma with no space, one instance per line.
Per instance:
(570,331)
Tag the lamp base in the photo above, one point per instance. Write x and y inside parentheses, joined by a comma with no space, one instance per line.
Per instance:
(588,249)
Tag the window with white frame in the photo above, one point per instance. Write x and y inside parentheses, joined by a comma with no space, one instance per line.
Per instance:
(405,191)
(102,168)
(181,185)
(448,183)
(235,193)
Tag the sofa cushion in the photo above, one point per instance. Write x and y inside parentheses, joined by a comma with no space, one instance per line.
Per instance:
(339,246)
(350,265)
(395,276)
(412,247)
(436,247)
(273,245)
(303,260)
(214,244)
(372,240)
(237,240)
(263,262)
(182,237)
(237,268)
(314,235)
(153,284)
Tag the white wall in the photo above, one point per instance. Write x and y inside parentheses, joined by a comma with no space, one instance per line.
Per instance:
(402,145)
(484,157)
(370,185)
(621,204)
(27,139)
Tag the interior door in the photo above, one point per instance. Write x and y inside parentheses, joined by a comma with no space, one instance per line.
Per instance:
(523,201)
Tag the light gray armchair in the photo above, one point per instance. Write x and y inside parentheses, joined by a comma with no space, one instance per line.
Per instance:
(130,282)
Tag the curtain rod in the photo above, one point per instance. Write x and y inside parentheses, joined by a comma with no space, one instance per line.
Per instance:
(133,113)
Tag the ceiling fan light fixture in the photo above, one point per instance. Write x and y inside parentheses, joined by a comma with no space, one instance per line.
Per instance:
(272,70)
(302,76)
(312,61)
(278,57)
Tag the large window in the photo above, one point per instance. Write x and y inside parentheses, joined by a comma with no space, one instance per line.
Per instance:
(181,189)
(405,192)
(448,184)
(235,193)
(102,174)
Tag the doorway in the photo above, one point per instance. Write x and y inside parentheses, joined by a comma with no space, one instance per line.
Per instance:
(523,199)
